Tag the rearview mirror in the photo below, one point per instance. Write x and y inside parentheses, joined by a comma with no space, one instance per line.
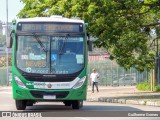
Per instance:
(10,41)
(89,42)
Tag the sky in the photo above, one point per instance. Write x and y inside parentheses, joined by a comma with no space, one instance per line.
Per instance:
(14,6)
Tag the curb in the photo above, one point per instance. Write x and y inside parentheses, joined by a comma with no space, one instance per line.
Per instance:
(124,101)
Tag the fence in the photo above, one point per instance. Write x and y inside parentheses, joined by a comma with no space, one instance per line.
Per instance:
(3,76)
(111,74)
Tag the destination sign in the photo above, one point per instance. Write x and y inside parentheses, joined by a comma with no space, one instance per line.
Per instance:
(49,27)
(36,63)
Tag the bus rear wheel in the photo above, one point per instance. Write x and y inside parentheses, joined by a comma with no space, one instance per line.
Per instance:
(77,104)
(21,104)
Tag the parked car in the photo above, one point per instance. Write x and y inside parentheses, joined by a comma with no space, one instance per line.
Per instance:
(128,79)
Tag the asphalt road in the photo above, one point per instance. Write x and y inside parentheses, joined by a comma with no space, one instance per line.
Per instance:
(90,109)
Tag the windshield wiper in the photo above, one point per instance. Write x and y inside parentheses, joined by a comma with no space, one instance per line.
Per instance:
(39,41)
(63,44)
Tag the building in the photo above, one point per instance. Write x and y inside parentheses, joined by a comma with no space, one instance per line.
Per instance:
(98,57)
(4,28)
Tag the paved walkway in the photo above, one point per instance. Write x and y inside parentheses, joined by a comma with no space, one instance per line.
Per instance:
(124,95)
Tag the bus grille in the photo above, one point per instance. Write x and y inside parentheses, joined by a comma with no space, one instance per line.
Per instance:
(39,94)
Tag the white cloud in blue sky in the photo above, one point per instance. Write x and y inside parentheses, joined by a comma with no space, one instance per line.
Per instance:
(14,6)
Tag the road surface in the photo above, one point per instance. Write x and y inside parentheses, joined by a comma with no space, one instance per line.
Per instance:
(95,109)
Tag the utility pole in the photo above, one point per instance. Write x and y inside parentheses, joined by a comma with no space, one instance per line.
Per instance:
(157,82)
(7,78)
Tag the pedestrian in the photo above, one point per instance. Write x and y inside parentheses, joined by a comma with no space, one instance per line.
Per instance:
(94,77)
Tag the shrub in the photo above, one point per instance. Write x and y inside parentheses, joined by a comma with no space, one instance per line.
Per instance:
(3,61)
(144,86)
(157,88)
(147,87)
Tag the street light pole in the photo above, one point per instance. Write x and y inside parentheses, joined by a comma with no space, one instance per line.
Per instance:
(7,42)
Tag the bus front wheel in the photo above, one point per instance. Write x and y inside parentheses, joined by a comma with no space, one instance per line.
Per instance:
(21,104)
(67,103)
(77,104)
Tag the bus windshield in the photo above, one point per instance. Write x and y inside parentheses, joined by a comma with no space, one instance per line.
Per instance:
(44,54)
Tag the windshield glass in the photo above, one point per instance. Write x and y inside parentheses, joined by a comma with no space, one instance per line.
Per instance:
(50,54)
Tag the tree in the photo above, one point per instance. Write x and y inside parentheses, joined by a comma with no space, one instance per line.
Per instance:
(121,26)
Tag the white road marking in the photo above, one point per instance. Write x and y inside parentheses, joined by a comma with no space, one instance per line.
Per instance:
(5,92)
(82,118)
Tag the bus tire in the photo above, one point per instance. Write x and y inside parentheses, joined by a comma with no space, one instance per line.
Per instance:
(29,103)
(77,104)
(21,104)
(67,103)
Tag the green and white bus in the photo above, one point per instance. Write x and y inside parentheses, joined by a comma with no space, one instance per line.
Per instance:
(49,61)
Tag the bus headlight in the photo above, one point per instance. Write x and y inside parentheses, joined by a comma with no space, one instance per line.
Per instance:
(19,82)
(79,83)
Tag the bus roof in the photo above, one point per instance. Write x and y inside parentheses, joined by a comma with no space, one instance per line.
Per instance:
(50,19)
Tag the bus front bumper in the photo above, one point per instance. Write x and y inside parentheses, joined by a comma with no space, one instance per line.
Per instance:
(45,95)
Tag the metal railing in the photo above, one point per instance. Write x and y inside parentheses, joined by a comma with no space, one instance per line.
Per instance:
(3,74)
(111,74)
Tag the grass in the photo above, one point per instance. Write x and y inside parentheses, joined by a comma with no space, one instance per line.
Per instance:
(146,86)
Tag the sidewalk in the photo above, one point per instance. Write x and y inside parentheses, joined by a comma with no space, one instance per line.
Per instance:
(124,95)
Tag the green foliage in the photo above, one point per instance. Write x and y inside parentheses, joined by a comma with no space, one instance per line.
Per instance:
(3,61)
(157,88)
(144,86)
(120,26)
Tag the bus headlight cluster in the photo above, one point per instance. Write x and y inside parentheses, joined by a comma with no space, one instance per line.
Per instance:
(79,83)
(19,82)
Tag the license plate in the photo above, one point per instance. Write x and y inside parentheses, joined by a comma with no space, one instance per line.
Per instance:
(49,97)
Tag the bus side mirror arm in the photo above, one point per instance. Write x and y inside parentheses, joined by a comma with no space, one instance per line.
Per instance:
(10,41)
(89,43)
